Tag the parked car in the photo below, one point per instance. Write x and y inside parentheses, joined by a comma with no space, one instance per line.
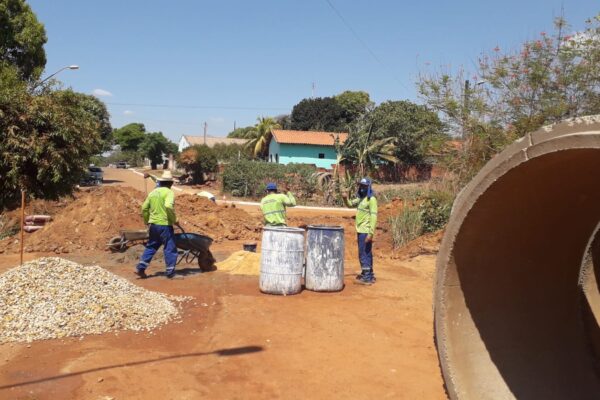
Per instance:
(121,164)
(96,173)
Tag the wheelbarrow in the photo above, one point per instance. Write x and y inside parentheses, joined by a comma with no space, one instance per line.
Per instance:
(194,247)
(119,243)
(191,246)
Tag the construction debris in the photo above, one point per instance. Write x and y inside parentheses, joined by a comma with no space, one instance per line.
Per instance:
(54,298)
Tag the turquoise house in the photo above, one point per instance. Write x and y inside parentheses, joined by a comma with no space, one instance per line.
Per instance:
(303,147)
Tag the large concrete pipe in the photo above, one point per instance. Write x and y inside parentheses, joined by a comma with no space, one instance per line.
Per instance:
(517,301)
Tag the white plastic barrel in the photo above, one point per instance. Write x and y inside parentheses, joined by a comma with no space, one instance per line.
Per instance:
(281,260)
(324,258)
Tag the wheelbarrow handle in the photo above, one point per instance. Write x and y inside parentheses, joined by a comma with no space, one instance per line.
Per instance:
(180,227)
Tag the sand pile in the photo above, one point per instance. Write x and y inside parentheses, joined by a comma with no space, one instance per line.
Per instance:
(86,223)
(200,215)
(241,263)
(54,298)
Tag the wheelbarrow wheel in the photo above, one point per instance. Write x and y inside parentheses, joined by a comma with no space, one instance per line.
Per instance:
(117,244)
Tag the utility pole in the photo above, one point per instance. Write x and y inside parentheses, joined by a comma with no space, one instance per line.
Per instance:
(234,125)
(314,87)
(205,127)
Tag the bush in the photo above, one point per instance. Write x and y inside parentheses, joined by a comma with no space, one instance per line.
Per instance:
(249,178)
(430,215)
(198,161)
(231,152)
(435,210)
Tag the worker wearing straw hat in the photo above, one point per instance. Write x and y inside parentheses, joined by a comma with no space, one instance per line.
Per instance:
(159,214)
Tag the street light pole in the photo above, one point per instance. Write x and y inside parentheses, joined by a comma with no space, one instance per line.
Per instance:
(60,70)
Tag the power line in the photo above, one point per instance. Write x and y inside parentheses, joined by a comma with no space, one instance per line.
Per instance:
(365,45)
(198,107)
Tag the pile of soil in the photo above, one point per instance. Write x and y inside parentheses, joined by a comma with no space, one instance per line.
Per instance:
(89,219)
(200,215)
(85,223)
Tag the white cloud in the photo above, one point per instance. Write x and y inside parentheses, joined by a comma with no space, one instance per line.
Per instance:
(101,93)
(127,112)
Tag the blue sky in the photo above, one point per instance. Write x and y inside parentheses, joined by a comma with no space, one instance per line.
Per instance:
(225,61)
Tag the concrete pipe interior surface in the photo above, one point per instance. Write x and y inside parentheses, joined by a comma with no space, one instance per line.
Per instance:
(517,301)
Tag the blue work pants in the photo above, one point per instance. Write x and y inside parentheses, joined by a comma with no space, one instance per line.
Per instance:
(365,256)
(160,235)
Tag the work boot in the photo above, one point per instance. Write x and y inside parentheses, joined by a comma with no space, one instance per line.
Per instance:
(172,275)
(365,281)
(140,273)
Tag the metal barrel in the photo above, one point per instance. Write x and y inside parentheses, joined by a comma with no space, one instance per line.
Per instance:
(281,260)
(325,258)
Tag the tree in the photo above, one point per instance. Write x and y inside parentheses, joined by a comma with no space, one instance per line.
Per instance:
(413,127)
(22,39)
(365,150)
(97,108)
(261,135)
(550,78)
(130,136)
(232,152)
(240,133)
(154,146)
(46,140)
(198,160)
(319,114)
(284,121)
(354,104)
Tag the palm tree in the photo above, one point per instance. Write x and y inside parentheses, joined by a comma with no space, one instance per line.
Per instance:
(261,135)
(366,152)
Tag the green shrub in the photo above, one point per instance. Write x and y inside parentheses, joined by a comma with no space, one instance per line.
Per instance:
(198,161)
(249,178)
(231,152)
(406,226)
(435,210)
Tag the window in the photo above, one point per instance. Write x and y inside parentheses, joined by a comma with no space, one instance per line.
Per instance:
(277,158)
(321,155)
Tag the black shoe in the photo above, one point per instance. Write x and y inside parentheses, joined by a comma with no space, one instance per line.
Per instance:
(173,275)
(365,281)
(141,273)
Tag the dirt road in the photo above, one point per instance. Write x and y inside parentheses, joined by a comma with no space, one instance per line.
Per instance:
(236,343)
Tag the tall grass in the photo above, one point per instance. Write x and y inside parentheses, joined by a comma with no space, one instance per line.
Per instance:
(406,226)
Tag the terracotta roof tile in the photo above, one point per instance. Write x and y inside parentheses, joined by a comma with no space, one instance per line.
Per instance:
(308,137)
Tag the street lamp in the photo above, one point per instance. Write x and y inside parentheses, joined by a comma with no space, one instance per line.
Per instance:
(60,70)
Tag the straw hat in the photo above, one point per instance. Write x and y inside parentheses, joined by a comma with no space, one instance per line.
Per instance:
(167,176)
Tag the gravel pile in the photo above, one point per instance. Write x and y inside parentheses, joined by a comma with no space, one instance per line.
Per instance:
(54,298)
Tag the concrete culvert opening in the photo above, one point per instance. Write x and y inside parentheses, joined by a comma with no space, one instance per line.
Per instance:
(517,300)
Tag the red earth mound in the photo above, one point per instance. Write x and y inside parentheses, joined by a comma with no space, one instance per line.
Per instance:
(91,218)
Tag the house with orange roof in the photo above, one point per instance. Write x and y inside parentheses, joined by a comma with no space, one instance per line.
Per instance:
(305,147)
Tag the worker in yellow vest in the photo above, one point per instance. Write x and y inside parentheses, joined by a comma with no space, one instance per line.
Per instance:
(273,206)
(158,212)
(366,221)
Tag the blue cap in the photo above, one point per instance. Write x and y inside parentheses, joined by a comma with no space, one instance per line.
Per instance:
(271,186)
(365,181)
